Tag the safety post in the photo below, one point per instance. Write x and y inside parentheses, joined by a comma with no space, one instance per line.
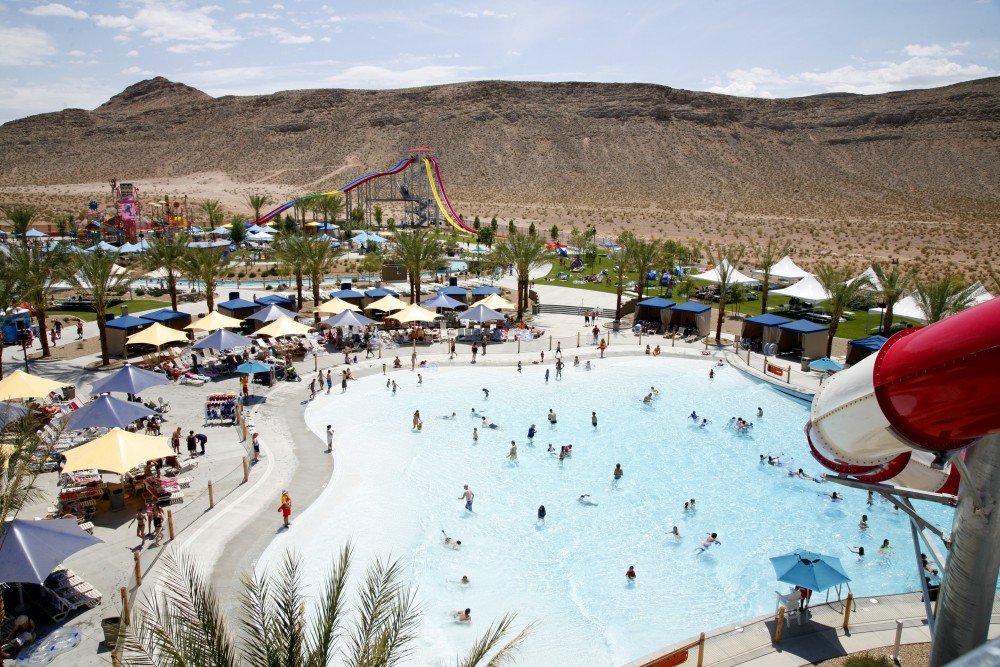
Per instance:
(170,524)
(578,339)
(246,470)
(124,593)
(847,610)
(211,495)
(895,644)
(701,649)
(748,357)
(519,345)
(788,380)
(138,568)
(550,343)
(780,625)
(673,340)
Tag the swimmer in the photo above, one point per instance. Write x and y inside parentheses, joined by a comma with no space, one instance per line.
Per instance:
(928,568)
(462,616)
(692,503)
(473,413)
(731,424)
(704,423)
(863,524)
(630,575)
(860,551)
(871,498)
(486,393)
(464,580)
(513,451)
(885,549)
(709,541)
(654,391)
(804,475)
(551,449)
(593,419)
(531,432)
(450,542)
(618,472)
(394,387)
(541,513)
(687,507)
(519,367)
(416,418)
(420,379)
(693,416)
(585,500)
(647,399)
(762,459)
(760,412)
(587,366)
(711,374)
(475,435)
(835,496)
(552,416)
(451,416)
(576,361)
(676,533)
(720,363)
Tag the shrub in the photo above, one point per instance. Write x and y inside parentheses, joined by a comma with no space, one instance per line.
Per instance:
(868,660)
(140,291)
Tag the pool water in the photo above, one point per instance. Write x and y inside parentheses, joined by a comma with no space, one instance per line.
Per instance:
(394,490)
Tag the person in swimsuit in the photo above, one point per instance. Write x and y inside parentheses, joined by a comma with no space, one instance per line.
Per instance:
(531,432)
(462,616)
(676,533)
(541,513)
(585,500)
(451,542)
(863,524)
(512,456)
(552,416)
(709,541)
(468,496)
(618,472)
(630,574)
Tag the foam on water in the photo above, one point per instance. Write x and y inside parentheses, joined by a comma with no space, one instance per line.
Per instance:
(395,489)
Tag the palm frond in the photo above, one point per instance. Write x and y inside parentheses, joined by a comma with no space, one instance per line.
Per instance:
(374,608)
(330,608)
(487,643)
(255,601)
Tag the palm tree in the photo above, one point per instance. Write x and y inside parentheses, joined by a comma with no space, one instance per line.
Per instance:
(19,467)
(205,265)
(767,255)
(943,297)
(894,284)
(621,263)
(725,259)
(165,255)
(96,274)
(843,290)
(525,252)
(257,202)
(20,218)
(37,271)
(318,258)
(418,251)
(237,230)
(183,624)
(331,206)
(290,251)
(213,210)
(645,255)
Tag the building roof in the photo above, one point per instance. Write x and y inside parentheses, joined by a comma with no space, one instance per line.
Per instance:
(691,307)
(767,320)
(803,326)
(128,322)
(657,302)
(237,304)
(274,300)
(870,343)
(164,315)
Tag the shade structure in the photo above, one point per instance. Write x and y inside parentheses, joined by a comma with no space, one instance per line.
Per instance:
(117,451)
(378,292)
(348,318)
(108,412)
(907,307)
(271,313)
(388,304)
(484,290)
(336,306)
(20,385)
(251,367)
(220,231)
(214,320)
(480,314)
(260,237)
(415,313)
(284,326)
(368,237)
(441,301)
(807,569)
(157,335)
(826,364)
(222,339)
(872,277)
(31,550)
(129,380)
(657,302)
(734,275)
(11,412)
(496,302)
(35,234)
(809,289)
(785,269)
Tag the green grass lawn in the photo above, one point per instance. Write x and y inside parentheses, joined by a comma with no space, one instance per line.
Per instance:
(133,305)
(853,328)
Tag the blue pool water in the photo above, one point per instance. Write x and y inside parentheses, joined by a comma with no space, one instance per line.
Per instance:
(394,490)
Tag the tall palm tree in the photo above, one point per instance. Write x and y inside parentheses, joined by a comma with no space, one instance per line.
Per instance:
(767,255)
(19,467)
(290,251)
(943,297)
(894,284)
(37,271)
(183,623)
(330,207)
(205,265)
(725,259)
(418,251)
(212,208)
(165,255)
(525,252)
(96,274)
(645,256)
(257,202)
(621,264)
(318,258)
(843,290)
(20,218)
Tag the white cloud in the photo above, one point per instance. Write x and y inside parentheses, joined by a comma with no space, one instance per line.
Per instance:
(76,53)
(486,14)
(56,9)
(325,40)
(135,69)
(284,37)
(185,29)
(25,46)
(108,21)
(18,99)
(243,16)
(278,6)
(371,76)
(132,54)
(931,50)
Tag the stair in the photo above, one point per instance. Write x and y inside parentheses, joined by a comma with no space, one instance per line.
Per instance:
(604,313)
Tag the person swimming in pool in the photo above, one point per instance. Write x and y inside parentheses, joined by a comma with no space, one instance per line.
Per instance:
(630,574)
(863,524)
(450,542)
(486,392)
(647,399)
(713,538)
(885,549)
(860,551)
(531,432)
(654,391)
(552,416)
(693,416)
(462,616)
(676,533)
(512,456)
(835,496)
(704,423)
(451,416)
(585,500)
(551,449)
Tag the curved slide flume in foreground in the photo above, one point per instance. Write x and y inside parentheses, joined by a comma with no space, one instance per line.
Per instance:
(437,188)
(927,392)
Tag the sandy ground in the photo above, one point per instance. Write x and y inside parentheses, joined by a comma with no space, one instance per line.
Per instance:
(910,655)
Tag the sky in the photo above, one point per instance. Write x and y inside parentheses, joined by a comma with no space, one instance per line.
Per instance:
(78,53)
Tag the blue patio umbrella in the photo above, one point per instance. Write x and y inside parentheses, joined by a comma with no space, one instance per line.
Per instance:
(271,313)
(34,234)
(109,412)
(811,570)
(222,339)
(441,301)
(365,237)
(480,314)
(485,290)
(251,367)
(825,364)
(31,550)
(348,318)
(11,412)
(129,380)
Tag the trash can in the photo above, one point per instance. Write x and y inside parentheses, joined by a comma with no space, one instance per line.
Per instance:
(116,496)
(112,627)
(536,308)
(805,364)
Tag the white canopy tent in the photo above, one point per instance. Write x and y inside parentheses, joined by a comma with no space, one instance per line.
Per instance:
(809,289)
(907,307)
(872,277)
(735,277)
(785,269)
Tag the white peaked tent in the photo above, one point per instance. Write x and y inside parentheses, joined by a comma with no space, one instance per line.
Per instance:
(735,277)
(872,277)
(907,307)
(785,269)
(808,289)
(979,293)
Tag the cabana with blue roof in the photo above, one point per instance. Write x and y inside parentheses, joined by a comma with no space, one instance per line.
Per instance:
(804,337)
(120,328)
(285,302)
(859,348)
(656,309)
(345,293)
(373,294)
(174,319)
(455,292)
(691,314)
(237,307)
(763,329)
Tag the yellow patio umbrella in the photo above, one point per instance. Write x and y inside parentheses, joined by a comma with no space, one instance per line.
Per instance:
(214,320)
(283,326)
(494,302)
(313,224)
(415,313)
(388,303)
(336,306)
(20,385)
(157,335)
(117,451)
